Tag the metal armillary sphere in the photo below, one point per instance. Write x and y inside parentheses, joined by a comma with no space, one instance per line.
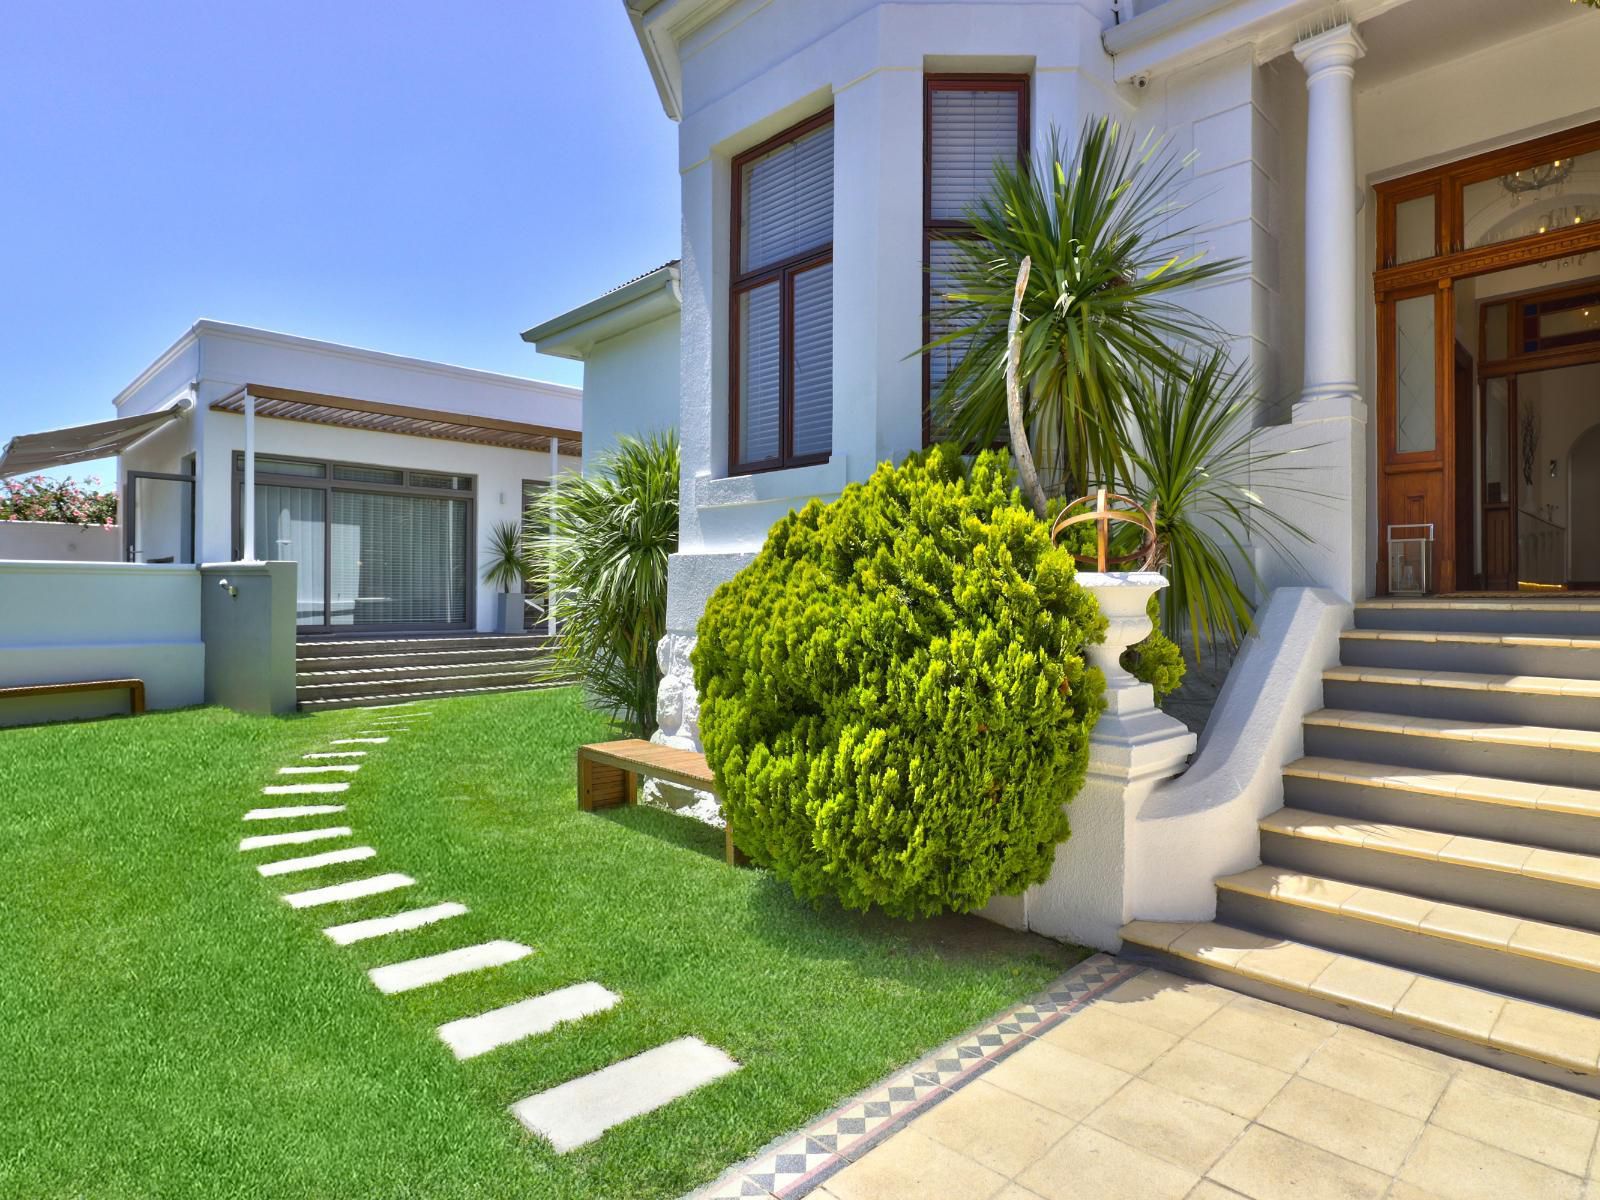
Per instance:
(1102,516)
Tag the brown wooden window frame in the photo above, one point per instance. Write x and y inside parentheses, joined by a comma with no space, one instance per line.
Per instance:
(782,273)
(948,230)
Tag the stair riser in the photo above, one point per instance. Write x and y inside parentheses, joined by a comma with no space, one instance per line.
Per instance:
(1472,656)
(361,662)
(357,647)
(1461,704)
(1494,970)
(1516,1064)
(380,687)
(378,701)
(1549,622)
(1534,764)
(1500,891)
(523,666)
(1498,822)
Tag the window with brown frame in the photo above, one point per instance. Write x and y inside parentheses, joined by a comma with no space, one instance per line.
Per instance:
(969,122)
(780,306)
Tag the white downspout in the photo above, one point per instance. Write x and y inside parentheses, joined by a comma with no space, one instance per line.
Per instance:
(550,600)
(249,506)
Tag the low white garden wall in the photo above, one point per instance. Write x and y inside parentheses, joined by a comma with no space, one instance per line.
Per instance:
(60,541)
(67,622)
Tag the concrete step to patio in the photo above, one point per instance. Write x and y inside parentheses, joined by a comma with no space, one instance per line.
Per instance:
(423,643)
(377,700)
(1544,1042)
(404,659)
(1488,653)
(1483,806)
(1556,701)
(1536,960)
(1555,886)
(1535,753)
(1577,616)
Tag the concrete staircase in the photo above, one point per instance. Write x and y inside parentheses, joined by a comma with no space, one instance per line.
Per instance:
(359,673)
(1434,874)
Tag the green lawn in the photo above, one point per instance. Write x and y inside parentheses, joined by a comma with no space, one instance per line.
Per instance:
(168,1027)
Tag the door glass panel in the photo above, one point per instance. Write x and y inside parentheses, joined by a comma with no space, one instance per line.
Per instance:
(163,520)
(399,560)
(290,527)
(1540,197)
(1413,229)
(1496,448)
(1415,390)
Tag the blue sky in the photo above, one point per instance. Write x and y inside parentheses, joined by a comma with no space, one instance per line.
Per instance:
(414,176)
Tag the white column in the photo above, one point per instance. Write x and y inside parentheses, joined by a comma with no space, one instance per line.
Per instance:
(1331,207)
(248,517)
(550,599)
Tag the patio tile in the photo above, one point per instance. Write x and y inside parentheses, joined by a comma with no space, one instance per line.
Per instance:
(1342,1124)
(1465,1169)
(910,1164)
(433,968)
(1267,1165)
(1216,1077)
(311,862)
(1553,1136)
(1185,1132)
(993,1127)
(1089,1165)
(355,889)
(1392,1082)
(1168,1002)
(359,931)
(1259,1037)
(577,1112)
(472,1036)
(1099,1033)
(1060,1080)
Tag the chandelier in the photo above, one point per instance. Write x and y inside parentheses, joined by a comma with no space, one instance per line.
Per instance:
(1536,178)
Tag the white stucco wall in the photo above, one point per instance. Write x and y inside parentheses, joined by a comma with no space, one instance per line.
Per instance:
(70,622)
(630,386)
(59,541)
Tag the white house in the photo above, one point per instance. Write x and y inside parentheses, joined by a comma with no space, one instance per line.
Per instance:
(380,475)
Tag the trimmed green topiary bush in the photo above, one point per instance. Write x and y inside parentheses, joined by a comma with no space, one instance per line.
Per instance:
(893,694)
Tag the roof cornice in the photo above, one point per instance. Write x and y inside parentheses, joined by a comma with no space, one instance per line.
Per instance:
(573,334)
(660,25)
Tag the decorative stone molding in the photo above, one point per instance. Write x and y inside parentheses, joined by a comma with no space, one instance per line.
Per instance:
(678,725)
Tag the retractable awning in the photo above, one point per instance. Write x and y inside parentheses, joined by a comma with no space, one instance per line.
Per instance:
(31,452)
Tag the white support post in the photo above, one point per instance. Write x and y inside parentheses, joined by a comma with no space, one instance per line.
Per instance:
(550,599)
(249,507)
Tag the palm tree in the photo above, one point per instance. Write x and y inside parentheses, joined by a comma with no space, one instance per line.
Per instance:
(1097,313)
(603,555)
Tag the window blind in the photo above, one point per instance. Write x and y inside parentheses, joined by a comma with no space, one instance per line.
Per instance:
(969,129)
(760,373)
(289,526)
(787,201)
(398,559)
(813,361)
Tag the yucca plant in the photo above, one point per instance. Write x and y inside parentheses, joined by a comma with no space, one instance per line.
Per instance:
(1195,464)
(504,565)
(1099,223)
(603,555)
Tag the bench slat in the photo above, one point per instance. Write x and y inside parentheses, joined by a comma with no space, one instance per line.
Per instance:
(135,690)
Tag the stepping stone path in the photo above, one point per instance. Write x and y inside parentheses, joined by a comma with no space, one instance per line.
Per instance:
(568,1115)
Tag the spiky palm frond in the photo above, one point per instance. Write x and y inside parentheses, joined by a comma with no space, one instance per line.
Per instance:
(603,555)
(503,560)
(1100,225)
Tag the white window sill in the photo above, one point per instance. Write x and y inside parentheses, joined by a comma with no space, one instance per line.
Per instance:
(792,484)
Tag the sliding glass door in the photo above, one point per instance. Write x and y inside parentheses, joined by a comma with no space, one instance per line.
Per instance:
(377,547)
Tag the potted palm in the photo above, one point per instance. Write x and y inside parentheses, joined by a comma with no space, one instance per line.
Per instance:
(504,569)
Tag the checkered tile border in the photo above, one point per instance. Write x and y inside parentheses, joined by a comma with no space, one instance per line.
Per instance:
(797,1163)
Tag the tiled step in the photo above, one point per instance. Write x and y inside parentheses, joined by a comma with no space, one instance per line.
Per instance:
(1538,754)
(1540,1041)
(1577,616)
(378,700)
(319,686)
(1466,696)
(337,647)
(1537,960)
(1510,810)
(1536,884)
(420,658)
(1488,653)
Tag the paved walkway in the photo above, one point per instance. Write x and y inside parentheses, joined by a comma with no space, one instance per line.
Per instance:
(1149,1086)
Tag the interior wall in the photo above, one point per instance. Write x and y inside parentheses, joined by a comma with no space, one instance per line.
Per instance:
(1566,405)
(1583,476)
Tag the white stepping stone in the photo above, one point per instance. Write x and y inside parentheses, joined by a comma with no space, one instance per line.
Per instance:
(385,729)
(337,754)
(360,741)
(303,789)
(329,858)
(383,707)
(419,972)
(472,1036)
(577,1112)
(416,918)
(320,769)
(298,810)
(356,889)
(295,838)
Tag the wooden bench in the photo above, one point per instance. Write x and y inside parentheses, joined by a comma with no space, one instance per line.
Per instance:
(135,690)
(609,774)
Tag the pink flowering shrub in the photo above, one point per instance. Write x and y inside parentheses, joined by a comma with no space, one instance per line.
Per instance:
(40,498)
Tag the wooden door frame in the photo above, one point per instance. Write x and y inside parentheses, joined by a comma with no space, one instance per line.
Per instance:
(1393,282)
